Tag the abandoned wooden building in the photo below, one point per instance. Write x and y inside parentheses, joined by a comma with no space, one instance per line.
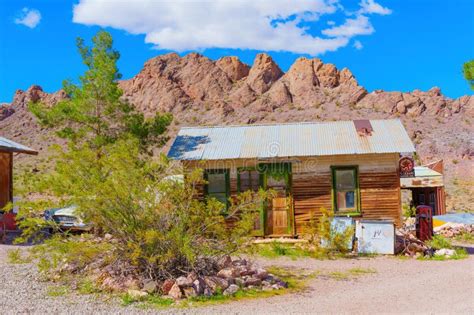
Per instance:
(7,150)
(351,167)
(427,187)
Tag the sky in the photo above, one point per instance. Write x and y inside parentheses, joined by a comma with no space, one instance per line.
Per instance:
(394,45)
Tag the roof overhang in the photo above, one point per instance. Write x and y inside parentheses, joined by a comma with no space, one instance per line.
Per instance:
(424,177)
(10,146)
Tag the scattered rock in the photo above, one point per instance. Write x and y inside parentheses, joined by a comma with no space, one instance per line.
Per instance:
(261,274)
(150,286)
(231,290)
(228,273)
(445,252)
(252,282)
(175,292)
(190,292)
(199,286)
(216,283)
(167,285)
(183,282)
(136,294)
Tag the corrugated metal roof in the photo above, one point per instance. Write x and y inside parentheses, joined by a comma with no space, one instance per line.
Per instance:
(288,140)
(11,146)
(423,171)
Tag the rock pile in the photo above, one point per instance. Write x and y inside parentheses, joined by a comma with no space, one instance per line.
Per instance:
(450,230)
(232,277)
(406,243)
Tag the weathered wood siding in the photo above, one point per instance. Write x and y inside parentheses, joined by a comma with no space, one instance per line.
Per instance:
(379,186)
(379,183)
(5,178)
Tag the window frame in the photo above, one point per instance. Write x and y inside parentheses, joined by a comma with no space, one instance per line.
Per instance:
(226,173)
(358,209)
(248,169)
(261,231)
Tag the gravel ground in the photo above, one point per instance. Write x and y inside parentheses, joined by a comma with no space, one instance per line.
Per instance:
(398,286)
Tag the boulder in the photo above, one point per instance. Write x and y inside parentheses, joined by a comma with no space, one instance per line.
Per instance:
(192,276)
(225,262)
(150,286)
(216,283)
(229,273)
(175,292)
(261,273)
(167,285)
(252,282)
(190,292)
(231,290)
(184,282)
(199,286)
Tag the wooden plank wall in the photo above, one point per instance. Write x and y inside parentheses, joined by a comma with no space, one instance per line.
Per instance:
(5,178)
(311,178)
(379,186)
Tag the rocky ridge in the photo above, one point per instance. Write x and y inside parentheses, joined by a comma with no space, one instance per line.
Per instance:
(200,91)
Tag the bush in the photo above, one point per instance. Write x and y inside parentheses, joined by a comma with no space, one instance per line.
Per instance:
(158,224)
(439,242)
(324,237)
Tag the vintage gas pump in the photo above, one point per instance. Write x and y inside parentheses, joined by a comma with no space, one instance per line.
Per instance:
(424,223)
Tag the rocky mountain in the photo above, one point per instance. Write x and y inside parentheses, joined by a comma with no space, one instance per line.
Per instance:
(200,91)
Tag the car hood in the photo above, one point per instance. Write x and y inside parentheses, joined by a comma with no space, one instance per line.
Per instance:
(69,211)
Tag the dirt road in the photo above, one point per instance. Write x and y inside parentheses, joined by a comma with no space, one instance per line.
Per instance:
(397,286)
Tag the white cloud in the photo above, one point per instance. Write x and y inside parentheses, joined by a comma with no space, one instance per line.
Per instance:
(370,6)
(351,27)
(181,25)
(357,45)
(29,17)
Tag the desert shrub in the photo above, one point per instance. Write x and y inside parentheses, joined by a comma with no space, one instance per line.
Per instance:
(158,224)
(323,237)
(438,242)
(108,170)
(408,211)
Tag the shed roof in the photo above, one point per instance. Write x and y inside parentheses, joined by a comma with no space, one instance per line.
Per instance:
(289,140)
(424,177)
(7,145)
(423,171)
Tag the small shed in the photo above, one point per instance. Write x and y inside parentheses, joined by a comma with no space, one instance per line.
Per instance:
(351,167)
(8,149)
(427,187)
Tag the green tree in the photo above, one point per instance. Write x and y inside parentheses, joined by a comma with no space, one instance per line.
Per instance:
(159,228)
(468,70)
(95,113)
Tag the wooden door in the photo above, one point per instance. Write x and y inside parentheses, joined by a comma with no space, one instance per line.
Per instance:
(280,213)
(278,210)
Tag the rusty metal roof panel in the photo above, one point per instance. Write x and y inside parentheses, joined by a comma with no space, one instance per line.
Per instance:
(7,145)
(289,140)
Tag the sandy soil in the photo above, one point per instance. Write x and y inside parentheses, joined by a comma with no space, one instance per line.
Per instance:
(398,286)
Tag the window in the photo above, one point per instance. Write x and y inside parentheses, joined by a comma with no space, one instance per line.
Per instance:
(218,185)
(433,202)
(421,199)
(346,189)
(249,179)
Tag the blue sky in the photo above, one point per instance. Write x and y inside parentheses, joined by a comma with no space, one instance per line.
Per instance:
(389,45)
